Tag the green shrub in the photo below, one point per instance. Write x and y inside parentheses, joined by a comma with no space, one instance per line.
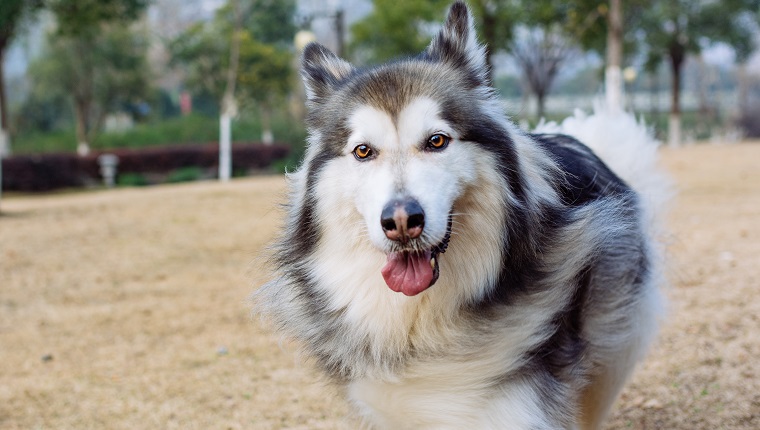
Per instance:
(131,180)
(190,129)
(185,174)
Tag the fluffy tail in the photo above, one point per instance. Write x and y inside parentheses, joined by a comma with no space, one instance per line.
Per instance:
(628,147)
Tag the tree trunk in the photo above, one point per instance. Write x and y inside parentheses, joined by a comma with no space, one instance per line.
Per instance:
(340,49)
(677,55)
(654,95)
(742,81)
(540,104)
(81,110)
(4,126)
(3,110)
(4,141)
(4,147)
(613,75)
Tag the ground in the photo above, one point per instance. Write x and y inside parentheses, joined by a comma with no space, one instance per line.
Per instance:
(129,309)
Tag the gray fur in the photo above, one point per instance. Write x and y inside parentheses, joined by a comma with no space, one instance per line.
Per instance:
(548,333)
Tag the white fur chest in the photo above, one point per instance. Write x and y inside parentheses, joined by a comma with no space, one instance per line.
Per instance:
(447,395)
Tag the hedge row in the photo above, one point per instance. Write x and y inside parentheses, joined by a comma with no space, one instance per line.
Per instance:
(45,172)
(749,121)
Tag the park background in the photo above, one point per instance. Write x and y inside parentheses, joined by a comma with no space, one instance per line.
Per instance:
(127,306)
(91,76)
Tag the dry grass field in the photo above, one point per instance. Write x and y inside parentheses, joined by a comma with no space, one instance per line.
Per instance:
(129,309)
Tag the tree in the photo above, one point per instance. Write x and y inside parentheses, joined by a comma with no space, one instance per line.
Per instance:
(83,18)
(239,57)
(540,51)
(608,27)
(271,22)
(12,14)
(96,58)
(495,21)
(395,29)
(203,53)
(542,44)
(675,28)
(98,75)
(616,40)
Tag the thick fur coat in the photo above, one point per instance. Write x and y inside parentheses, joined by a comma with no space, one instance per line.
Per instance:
(543,288)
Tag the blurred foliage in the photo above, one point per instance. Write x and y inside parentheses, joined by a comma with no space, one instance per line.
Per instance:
(43,112)
(83,18)
(540,51)
(388,31)
(675,28)
(395,28)
(509,86)
(264,70)
(185,174)
(12,14)
(495,21)
(587,22)
(195,128)
(131,180)
(93,59)
(269,22)
(203,52)
(98,75)
(95,62)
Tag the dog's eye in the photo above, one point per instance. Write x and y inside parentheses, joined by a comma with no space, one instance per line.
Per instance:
(363,152)
(438,141)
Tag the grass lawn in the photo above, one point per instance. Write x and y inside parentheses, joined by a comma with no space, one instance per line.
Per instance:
(128,308)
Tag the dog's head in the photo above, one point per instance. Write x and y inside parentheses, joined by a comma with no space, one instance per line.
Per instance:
(393,148)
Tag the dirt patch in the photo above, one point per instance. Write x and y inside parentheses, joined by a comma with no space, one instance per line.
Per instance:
(128,309)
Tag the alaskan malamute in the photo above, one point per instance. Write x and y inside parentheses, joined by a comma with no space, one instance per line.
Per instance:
(445,269)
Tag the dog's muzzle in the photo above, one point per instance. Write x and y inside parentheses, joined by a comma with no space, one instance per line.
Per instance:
(410,271)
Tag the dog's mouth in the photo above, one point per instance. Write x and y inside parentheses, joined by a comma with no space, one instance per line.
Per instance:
(411,271)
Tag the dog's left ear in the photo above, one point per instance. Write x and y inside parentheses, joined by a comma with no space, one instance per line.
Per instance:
(322,71)
(457,43)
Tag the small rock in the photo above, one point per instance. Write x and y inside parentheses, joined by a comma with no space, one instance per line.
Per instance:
(47,357)
(222,350)
(653,404)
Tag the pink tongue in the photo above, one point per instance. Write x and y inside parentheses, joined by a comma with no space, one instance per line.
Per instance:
(408,273)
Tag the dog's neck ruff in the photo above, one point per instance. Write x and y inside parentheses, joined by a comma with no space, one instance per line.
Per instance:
(412,272)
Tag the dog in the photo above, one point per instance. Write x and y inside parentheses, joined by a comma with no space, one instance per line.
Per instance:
(445,269)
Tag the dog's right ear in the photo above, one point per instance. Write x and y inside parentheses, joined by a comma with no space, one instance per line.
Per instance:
(457,43)
(321,71)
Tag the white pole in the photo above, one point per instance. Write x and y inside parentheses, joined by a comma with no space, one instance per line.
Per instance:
(613,73)
(225,158)
(613,84)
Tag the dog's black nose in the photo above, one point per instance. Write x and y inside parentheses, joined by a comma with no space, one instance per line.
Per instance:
(402,219)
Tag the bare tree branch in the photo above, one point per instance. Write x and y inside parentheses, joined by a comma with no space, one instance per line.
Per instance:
(540,52)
